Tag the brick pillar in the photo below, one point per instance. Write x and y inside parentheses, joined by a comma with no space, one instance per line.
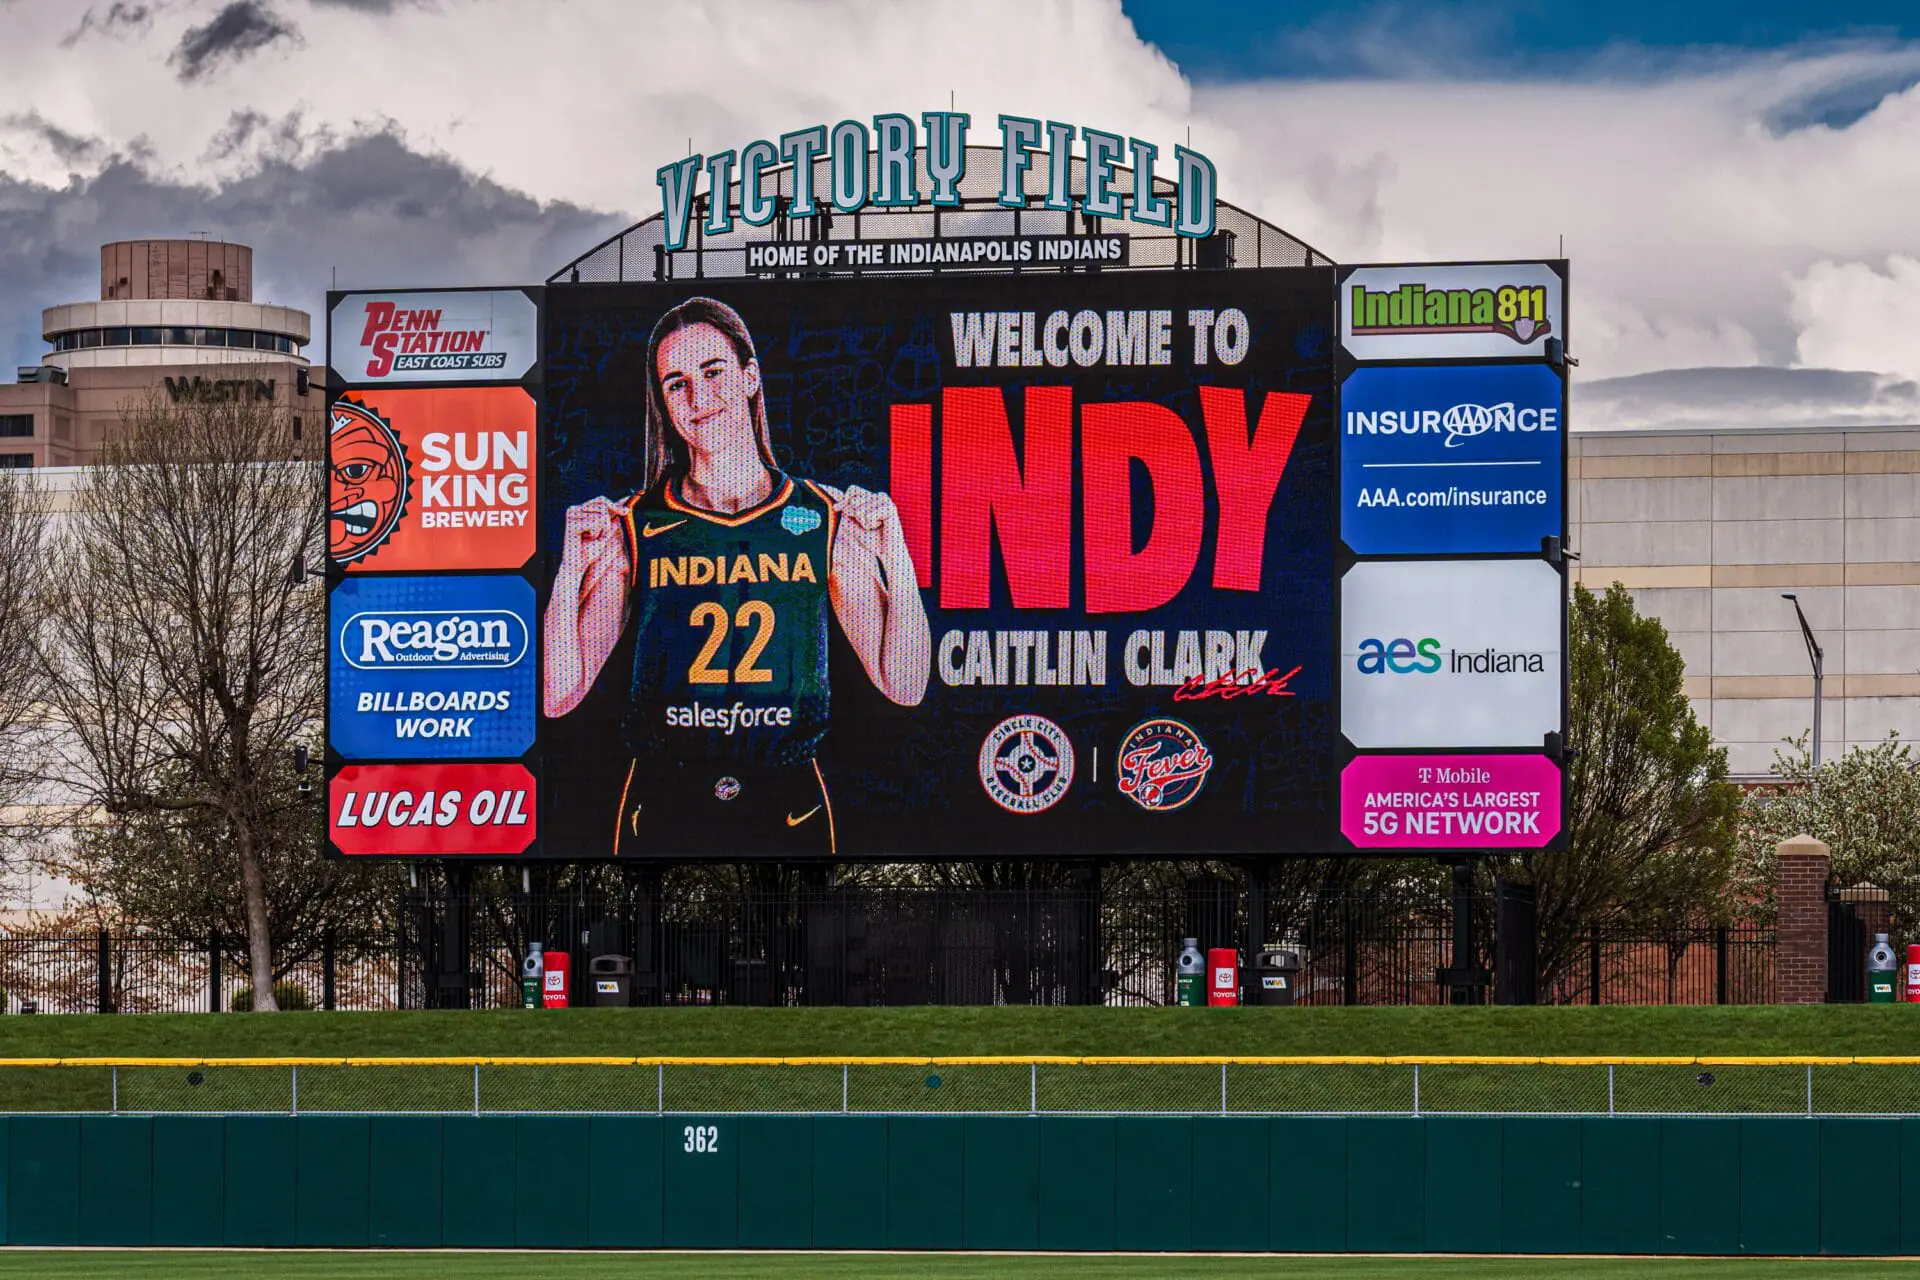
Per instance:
(1800,949)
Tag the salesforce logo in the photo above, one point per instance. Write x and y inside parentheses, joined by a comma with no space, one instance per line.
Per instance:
(1459,423)
(418,639)
(1404,657)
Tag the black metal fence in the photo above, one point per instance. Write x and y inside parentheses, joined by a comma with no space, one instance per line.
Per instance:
(860,945)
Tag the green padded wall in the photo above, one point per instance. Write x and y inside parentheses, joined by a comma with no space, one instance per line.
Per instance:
(1860,1180)
(1002,1194)
(776,1206)
(926,1189)
(1307,1184)
(624,1182)
(1386,1184)
(332,1176)
(550,1207)
(1540,1184)
(116,1182)
(702,1155)
(849,1182)
(404,1159)
(1076,1182)
(1462,1185)
(478,1166)
(43,1180)
(260,1196)
(1545,1184)
(1620,1185)
(189,1179)
(1700,1186)
(1153,1182)
(1232,1179)
(1779,1185)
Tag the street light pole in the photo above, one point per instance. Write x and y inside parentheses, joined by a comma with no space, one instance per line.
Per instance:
(1818,656)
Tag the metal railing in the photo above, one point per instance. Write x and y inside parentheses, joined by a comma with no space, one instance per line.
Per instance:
(1042,1085)
(872,946)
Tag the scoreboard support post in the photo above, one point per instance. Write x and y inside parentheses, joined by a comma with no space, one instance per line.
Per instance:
(454,982)
(1257,873)
(1465,982)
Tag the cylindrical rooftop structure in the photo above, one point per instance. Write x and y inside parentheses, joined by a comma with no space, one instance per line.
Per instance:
(209,270)
(173,302)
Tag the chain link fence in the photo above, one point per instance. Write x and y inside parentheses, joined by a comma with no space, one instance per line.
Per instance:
(982,1086)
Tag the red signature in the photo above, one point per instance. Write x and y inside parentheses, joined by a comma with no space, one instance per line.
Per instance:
(1243,684)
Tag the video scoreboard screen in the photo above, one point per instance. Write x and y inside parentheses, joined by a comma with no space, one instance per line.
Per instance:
(1175,563)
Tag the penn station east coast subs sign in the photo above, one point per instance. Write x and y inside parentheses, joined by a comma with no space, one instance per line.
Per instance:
(872,165)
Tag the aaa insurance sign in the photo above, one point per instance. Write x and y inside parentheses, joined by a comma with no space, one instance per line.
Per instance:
(1466,458)
(1451,653)
(433,668)
(456,335)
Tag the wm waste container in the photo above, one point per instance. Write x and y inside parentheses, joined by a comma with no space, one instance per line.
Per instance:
(612,979)
(1275,971)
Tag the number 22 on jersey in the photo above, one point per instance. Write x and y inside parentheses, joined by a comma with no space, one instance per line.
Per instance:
(757,614)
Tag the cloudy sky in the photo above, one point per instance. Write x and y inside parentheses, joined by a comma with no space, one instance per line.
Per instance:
(1737,184)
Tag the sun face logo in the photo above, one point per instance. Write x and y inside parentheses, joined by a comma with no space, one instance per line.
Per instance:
(368,482)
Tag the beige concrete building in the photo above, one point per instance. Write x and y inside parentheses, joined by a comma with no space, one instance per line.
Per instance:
(1710,528)
(175,317)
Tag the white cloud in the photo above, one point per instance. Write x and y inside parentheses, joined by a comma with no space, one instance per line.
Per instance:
(1851,315)
(1701,230)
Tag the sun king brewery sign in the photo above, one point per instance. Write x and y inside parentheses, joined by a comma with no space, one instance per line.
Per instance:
(874,167)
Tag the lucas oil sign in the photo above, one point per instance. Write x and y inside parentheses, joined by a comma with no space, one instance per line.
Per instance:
(432,667)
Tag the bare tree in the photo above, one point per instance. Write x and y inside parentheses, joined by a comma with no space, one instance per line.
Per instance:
(23,598)
(183,662)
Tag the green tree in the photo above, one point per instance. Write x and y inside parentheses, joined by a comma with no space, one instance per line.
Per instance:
(1865,805)
(1652,819)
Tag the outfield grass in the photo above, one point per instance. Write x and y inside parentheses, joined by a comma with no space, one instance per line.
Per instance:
(934,1031)
(588,1266)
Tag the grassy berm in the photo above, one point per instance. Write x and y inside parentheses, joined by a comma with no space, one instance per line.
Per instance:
(1841,1030)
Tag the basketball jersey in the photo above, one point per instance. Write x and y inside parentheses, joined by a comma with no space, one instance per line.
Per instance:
(730,617)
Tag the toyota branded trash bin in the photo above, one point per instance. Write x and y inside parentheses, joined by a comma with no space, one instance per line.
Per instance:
(1275,971)
(612,979)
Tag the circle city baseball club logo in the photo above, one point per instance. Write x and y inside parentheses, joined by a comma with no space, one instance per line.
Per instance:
(368,482)
(1163,765)
(1026,764)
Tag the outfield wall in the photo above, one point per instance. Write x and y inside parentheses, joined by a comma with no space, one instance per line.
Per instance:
(1534,1184)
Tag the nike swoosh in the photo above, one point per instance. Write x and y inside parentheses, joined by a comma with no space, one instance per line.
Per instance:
(647,531)
(794,822)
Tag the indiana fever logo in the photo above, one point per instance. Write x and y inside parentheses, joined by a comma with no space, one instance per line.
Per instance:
(368,482)
(1163,765)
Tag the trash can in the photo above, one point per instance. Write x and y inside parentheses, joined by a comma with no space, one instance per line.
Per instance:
(1275,971)
(1189,989)
(612,979)
(1880,966)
